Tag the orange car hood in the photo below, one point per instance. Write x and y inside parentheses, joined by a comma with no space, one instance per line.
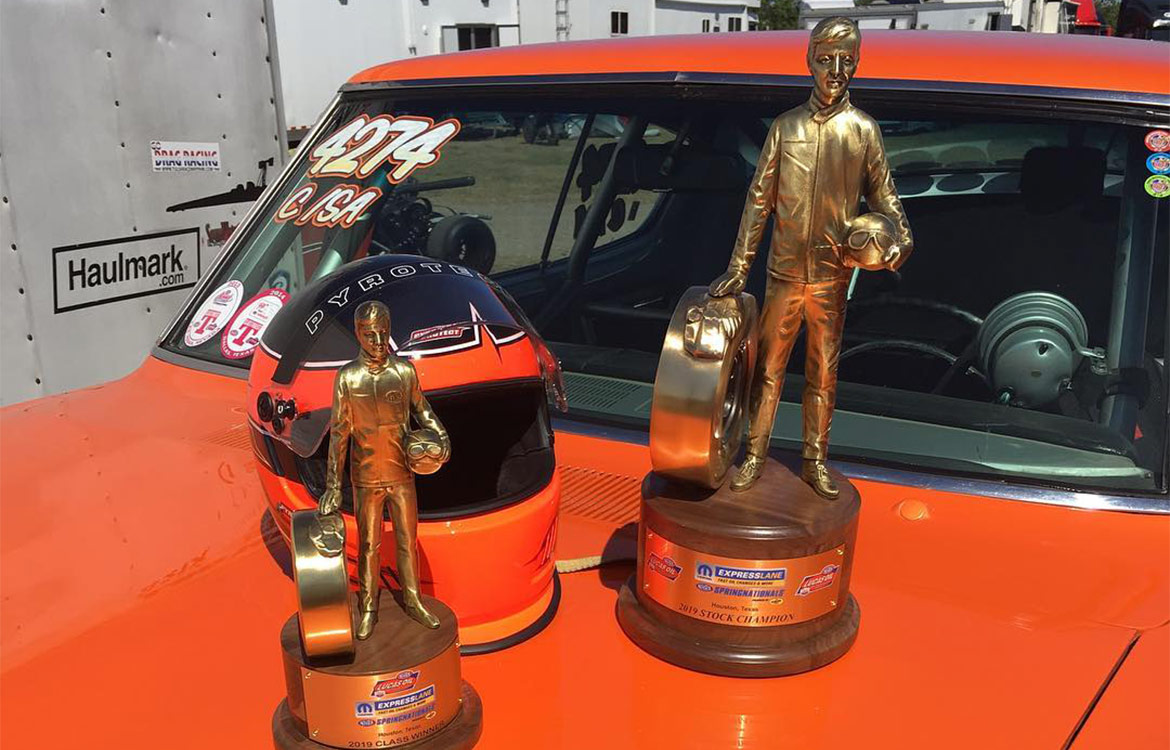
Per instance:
(142,594)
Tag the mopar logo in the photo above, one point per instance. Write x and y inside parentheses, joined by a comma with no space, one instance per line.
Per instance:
(703,570)
(364,709)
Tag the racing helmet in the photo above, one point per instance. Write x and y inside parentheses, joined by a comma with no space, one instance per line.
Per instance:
(870,238)
(487,517)
(424,451)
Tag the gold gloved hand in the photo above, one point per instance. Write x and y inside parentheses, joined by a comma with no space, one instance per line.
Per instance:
(330,501)
(896,256)
(729,283)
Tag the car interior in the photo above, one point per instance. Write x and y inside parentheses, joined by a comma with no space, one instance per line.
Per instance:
(1024,337)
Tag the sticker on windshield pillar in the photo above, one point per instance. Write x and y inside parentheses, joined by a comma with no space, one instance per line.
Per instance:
(1159,163)
(364,144)
(1158,140)
(1158,185)
(340,206)
(243,335)
(214,313)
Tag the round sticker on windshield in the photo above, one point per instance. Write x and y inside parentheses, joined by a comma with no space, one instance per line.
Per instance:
(243,335)
(1159,163)
(214,313)
(1158,140)
(1158,185)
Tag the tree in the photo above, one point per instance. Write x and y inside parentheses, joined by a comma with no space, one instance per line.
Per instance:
(778,14)
(1107,12)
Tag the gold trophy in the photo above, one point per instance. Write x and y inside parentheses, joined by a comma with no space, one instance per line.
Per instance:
(818,161)
(398,685)
(751,577)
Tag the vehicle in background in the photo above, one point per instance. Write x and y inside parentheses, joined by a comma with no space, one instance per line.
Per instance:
(1144,19)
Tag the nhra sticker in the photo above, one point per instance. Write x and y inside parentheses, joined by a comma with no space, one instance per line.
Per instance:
(365,144)
(243,335)
(1158,163)
(1158,185)
(1158,140)
(214,313)
(736,592)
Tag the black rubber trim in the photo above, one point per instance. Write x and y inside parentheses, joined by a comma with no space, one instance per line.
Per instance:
(538,625)
(758,79)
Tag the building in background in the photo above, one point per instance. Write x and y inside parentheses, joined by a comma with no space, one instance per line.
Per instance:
(323,42)
(1047,16)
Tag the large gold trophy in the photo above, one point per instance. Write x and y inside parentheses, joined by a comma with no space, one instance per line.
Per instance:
(399,683)
(750,577)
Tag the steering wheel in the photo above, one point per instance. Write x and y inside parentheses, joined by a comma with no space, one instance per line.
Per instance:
(963,363)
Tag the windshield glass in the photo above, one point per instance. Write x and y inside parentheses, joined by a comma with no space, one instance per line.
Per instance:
(1025,337)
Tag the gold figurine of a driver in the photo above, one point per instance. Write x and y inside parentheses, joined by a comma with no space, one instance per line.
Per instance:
(374,398)
(817,163)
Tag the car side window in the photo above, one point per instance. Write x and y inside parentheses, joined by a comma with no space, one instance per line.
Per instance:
(517,161)
(629,211)
(988,351)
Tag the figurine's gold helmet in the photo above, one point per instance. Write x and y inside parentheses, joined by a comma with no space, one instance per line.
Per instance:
(424,451)
(870,238)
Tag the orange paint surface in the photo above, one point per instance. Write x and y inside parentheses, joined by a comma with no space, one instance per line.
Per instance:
(138,561)
(1051,60)
(1134,706)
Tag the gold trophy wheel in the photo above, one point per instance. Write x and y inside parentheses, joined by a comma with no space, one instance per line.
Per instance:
(323,602)
(701,391)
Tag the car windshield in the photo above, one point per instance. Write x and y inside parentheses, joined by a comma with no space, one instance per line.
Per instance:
(1024,339)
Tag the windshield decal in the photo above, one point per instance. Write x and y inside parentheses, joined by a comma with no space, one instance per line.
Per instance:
(1158,140)
(363,145)
(341,206)
(214,313)
(243,335)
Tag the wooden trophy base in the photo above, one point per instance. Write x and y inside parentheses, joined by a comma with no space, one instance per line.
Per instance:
(744,584)
(402,688)
(462,733)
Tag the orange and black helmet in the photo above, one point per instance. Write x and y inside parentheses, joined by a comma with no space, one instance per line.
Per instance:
(484,370)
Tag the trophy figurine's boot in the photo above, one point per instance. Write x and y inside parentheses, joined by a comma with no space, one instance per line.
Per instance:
(415,608)
(816,475)
(747,474)
(366,624)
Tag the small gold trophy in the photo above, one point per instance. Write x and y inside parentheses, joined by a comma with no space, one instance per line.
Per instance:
(399,684)
(750,577)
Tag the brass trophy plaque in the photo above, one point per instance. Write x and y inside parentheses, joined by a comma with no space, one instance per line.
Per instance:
(402,688)
(393,679)
(746,572)
(747,593)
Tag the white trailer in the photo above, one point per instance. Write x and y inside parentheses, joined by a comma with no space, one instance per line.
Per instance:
(110,112)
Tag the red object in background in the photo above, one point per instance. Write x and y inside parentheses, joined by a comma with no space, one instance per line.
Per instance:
(1087,21)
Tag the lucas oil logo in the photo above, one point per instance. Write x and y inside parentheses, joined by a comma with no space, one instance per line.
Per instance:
(663,566)
(818,581)
(404,680)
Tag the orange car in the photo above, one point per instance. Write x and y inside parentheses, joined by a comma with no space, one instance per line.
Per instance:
(1002,410)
